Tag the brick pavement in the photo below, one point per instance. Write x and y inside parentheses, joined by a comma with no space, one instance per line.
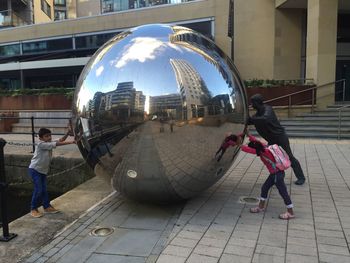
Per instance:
(216,227)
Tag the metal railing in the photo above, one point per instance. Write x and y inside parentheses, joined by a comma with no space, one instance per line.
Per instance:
(108,7)
(339,119)
(313,96)
(32,122)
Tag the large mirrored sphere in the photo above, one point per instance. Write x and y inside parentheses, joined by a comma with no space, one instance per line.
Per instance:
(153,111)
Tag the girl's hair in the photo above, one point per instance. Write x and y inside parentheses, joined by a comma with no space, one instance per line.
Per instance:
(43,131)
(257,146)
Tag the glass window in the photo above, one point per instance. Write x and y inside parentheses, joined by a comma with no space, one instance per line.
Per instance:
(46,8)
(10,83)
(201,27)
(94,41)
(60,15)
(47,45)
(60,2)
(343,34)
(10,50)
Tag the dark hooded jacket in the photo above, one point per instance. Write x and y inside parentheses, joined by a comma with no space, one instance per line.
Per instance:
(265,121)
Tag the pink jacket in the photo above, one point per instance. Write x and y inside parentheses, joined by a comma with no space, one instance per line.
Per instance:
(263,156)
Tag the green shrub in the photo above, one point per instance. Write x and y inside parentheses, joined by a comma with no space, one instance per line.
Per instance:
(69,92)
(250,83)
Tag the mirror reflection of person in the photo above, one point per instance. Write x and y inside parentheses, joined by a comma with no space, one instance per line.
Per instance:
(230,140)
(171,123)
(268,127)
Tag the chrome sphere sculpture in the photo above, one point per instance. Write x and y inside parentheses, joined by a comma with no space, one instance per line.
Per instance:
(152,108)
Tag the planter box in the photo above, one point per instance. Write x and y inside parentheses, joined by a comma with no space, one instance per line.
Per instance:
(6,124)
(269,93)
(35,102)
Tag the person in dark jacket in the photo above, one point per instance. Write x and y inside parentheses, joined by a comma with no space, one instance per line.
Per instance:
(268,127)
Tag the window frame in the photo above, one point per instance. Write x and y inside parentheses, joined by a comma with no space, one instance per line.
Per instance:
(46,8)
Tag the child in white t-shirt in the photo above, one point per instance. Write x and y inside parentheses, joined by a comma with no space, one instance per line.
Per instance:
(39,168)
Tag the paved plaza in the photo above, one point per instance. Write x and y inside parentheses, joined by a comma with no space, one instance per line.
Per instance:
(217,226)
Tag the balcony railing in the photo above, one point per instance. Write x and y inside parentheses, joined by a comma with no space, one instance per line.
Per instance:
(10,18)
(112,6)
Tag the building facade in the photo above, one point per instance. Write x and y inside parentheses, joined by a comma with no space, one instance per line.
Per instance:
(267,39)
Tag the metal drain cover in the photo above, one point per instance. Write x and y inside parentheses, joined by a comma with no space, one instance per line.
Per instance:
(102,231)
(248,200)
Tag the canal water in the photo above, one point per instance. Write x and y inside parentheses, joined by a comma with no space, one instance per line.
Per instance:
(18,202)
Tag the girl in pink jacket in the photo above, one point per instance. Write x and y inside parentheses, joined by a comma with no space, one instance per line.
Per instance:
(276,177)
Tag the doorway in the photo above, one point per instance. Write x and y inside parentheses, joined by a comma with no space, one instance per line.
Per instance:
(342,92)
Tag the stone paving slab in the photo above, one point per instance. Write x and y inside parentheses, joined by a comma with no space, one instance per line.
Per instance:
(216,227)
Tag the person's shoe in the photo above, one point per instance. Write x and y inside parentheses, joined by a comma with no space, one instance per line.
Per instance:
(286,216)
(35,213)
(256,209)
(300,181)
(51,210)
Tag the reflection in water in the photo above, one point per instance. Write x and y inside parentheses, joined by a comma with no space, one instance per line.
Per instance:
(151,108)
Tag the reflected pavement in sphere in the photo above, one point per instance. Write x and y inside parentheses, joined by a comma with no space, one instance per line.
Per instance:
(151,109)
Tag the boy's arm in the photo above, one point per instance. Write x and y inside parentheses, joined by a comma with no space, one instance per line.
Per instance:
(66,135)
(63,138)
(60,143)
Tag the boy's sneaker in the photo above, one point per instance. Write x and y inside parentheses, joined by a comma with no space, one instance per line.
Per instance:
(51,210)
(35,213)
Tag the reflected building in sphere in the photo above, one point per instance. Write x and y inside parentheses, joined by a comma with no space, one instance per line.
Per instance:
(152,107)
(193,91)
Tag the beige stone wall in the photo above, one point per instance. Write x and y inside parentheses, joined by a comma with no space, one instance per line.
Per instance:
(287,56)
(71,9)
(321,47)
(216,9)
(254,34)
(88,7)
(278,3)
(221,14)
(39,15)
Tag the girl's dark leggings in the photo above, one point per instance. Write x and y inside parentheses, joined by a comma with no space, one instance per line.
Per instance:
(278,180)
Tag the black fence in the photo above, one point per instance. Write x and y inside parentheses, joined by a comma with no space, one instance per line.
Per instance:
(6,236)
(32,119)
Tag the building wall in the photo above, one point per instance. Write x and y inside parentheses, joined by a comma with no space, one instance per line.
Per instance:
(216,9)
(88,7)
(288,43)
(71,9)
(322,47)
(39,15)
(254,37)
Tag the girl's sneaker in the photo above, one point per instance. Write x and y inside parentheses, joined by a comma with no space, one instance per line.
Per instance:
(35,213)
(286,216)
(256,209)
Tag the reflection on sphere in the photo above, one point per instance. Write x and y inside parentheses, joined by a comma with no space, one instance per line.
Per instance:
(151,109)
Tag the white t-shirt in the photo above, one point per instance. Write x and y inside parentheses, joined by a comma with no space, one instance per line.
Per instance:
(42,157)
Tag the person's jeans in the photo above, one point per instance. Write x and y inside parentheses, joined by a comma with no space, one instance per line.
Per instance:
(278,180)
(283,141)
(40,190)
